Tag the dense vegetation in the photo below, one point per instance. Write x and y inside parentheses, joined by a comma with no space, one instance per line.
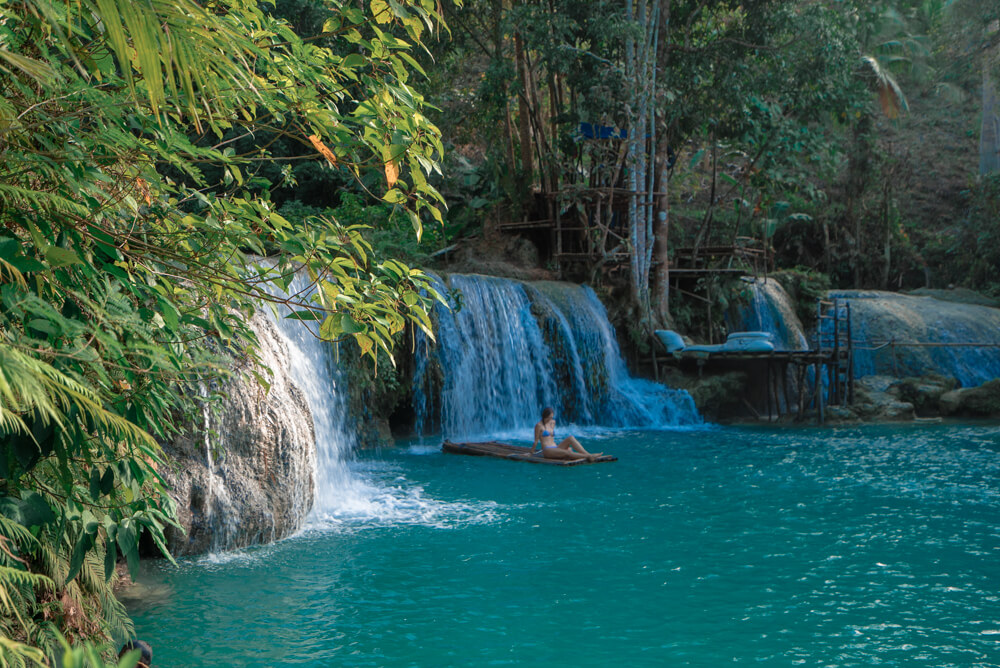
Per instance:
(165,163)
(841,137)
(137,233)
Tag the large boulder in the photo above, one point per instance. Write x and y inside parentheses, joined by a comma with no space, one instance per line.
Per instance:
(875,400)
(924,392)
(244,474)
(982,401)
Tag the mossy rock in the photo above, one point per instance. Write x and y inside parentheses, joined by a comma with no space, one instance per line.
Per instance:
(720,395)
(876,401)
(924,392)
(981,401)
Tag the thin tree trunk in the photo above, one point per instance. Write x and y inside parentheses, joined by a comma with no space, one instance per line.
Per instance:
(887,230)
(523,115)
(633,149)
(989,137)
(654,27)
(662,224)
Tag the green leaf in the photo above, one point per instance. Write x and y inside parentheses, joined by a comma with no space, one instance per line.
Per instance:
(83,545)
(108,481)
(305,315)
(110,559)
(696,158)
(31,510)
(61,257)
(349,325)
(381,12)
(128,543)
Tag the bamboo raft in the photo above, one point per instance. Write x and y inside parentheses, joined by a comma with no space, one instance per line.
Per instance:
(517,453)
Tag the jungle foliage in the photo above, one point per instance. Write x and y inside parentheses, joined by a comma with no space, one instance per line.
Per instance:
(166,164)
(137,234)
(783,124)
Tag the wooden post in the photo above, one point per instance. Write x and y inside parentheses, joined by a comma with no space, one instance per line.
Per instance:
(850,358)
(835,383)
(819,324)
(819,391)
(767,389)
(801,375)
(656,367)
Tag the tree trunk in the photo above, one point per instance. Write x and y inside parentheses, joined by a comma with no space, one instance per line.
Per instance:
(661,280)
(524,115)
(630,163)
(989,137)
(859,165)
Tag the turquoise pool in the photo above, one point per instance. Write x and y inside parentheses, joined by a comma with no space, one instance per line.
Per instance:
(841,547)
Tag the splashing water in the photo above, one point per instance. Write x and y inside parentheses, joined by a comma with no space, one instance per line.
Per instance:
(219,511)
(507,349)
(345,494)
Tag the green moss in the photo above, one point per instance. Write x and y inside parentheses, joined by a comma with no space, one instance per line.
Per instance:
(715,396)
(982,401)
(924,392)
(805,286)
(374,392)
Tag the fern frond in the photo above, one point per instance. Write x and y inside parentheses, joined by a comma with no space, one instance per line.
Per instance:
(17,197)
(10,274)
(18,534)
(14,585)
(21,577)
(30,384)
(15,654)
(54,566)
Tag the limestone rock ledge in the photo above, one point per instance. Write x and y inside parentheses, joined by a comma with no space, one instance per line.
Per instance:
(244,475)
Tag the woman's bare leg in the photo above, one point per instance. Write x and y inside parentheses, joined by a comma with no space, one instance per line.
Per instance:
(561,454)
(570,444)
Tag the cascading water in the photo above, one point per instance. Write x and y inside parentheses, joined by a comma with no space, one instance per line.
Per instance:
(314,371)
(772,311)
(219,512)
(597,388)
(901,335)
(346,493)
(507,349)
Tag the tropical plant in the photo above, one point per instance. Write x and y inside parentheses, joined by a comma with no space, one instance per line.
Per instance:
(127,272)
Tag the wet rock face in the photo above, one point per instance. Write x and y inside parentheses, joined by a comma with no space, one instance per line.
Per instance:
(905,336)
(244,475)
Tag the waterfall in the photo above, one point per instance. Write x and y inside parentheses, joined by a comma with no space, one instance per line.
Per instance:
(506,349)
(771,310)
(901,335)
(313,369)
(346,493)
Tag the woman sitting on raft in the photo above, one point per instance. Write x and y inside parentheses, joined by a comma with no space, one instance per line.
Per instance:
(568,448)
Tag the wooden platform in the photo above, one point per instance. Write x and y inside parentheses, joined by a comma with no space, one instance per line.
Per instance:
(517,453)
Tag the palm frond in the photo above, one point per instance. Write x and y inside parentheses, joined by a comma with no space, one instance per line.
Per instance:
(890,95)
(17,197)
(30,384)
(16,654)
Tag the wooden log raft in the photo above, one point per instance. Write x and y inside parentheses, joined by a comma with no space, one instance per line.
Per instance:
(517,453)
